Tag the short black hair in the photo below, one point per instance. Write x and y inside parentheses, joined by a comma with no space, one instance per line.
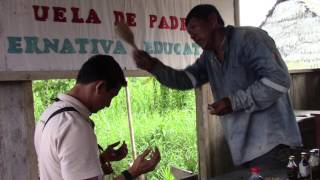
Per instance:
(203,11)
(102,67)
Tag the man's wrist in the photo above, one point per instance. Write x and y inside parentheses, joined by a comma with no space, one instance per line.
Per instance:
(128,175)
(104,158)
(134,173)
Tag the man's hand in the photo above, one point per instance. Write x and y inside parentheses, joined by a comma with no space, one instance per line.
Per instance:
(107,168)
(112,154)
(221,107)
(142,165)
(143,60)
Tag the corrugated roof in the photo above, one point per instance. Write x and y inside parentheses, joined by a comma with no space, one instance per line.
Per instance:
(295,27)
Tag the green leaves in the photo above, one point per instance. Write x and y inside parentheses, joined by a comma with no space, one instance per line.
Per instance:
(45,91)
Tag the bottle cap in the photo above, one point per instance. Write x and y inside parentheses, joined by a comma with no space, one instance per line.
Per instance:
(291,157)
(314,152)
(255,169)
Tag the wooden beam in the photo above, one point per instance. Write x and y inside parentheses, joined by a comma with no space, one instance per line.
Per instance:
(44,75)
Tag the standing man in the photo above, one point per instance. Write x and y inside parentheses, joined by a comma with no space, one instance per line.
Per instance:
(65,142)
(250,82)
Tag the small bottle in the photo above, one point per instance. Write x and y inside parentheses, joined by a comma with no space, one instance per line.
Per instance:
(255,174)
(314,164)
(292,169)
(304,167)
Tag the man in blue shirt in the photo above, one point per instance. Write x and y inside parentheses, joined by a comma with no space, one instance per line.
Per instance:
(250,82)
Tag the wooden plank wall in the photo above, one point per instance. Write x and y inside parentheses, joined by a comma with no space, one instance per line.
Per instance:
(305,90)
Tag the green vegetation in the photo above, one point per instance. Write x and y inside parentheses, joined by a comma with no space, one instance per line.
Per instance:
(161,117)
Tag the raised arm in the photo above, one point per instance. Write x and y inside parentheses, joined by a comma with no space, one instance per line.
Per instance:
(191,77)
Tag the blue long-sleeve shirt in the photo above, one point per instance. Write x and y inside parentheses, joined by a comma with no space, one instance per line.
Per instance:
(256,80)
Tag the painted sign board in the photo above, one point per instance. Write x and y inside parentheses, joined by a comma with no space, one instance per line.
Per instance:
(50,37)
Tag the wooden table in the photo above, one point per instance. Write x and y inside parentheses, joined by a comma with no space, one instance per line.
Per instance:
(244,174)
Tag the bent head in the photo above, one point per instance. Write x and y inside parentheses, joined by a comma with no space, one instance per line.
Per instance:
(202,22)
(102,78)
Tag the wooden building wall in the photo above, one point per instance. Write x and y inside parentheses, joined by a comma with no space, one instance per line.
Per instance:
(305,90)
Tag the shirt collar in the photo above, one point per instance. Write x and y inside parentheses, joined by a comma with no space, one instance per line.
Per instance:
(83,110)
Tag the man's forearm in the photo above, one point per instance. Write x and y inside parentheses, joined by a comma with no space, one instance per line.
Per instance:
(172,78)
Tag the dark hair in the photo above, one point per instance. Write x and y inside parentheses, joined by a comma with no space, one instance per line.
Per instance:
(203,11)
(102,67)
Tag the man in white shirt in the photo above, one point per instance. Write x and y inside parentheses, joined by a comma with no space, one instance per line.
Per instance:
(65,142)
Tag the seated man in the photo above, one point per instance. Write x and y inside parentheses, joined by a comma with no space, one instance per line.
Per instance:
(65,142)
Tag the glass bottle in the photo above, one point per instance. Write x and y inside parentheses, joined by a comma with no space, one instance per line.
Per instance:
(255,174)
(314,164)
(304,167)
(292,169)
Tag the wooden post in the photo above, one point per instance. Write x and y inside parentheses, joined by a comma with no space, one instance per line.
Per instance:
(131,129)
(17,155)
(236,14)
(203,133)
(213,151)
